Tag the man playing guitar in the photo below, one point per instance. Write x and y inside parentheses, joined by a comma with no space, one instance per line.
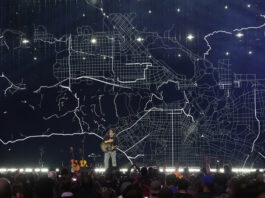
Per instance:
(111,139)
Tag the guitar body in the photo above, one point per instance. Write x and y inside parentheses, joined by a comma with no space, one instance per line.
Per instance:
(74,165)
(83,163)
(105,147)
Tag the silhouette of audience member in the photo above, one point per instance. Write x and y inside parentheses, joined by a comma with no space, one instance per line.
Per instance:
(183,186)
(133,191)
(5,188)
(166,193)
(155,188)
(171,181)
(207,183)
(65,188)
(89,188)
(45,188)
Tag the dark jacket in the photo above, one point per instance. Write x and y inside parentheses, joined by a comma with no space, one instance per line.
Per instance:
(115,139)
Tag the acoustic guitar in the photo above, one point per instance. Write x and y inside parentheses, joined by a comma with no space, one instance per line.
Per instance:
(74,163)
(83,162)
(106,147)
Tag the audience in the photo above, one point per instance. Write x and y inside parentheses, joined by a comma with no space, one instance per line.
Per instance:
(141,183)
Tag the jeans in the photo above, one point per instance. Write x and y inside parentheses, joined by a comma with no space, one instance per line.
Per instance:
(107,155)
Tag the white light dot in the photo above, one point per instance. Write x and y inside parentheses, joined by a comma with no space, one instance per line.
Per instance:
(35,58)
(190,37)
(249,5)
(25,41)
(227,53)
(104,57)
(239,35)
(93,41)
(150,11)
(178,10)
(226,7)
(84,58)
(139,39)
(84,15)
(179,55)
(250,52)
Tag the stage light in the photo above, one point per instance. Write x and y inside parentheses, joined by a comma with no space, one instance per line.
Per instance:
(194,170)
(28,170)
(179,55)
(84,58)
(190,37)
(35,58)
(214,170)
(44,170)
(93,41)
(227,53)
(243,170)
(12,170)
(250,52)
(3,170)
(161,170)
(21,170)
(226,7)
(178,10)
(100,170)
(37,170)
(249,5)
(57,169)
(181,170)
(150,11)
(123,170)
(239,35)
(170,170)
